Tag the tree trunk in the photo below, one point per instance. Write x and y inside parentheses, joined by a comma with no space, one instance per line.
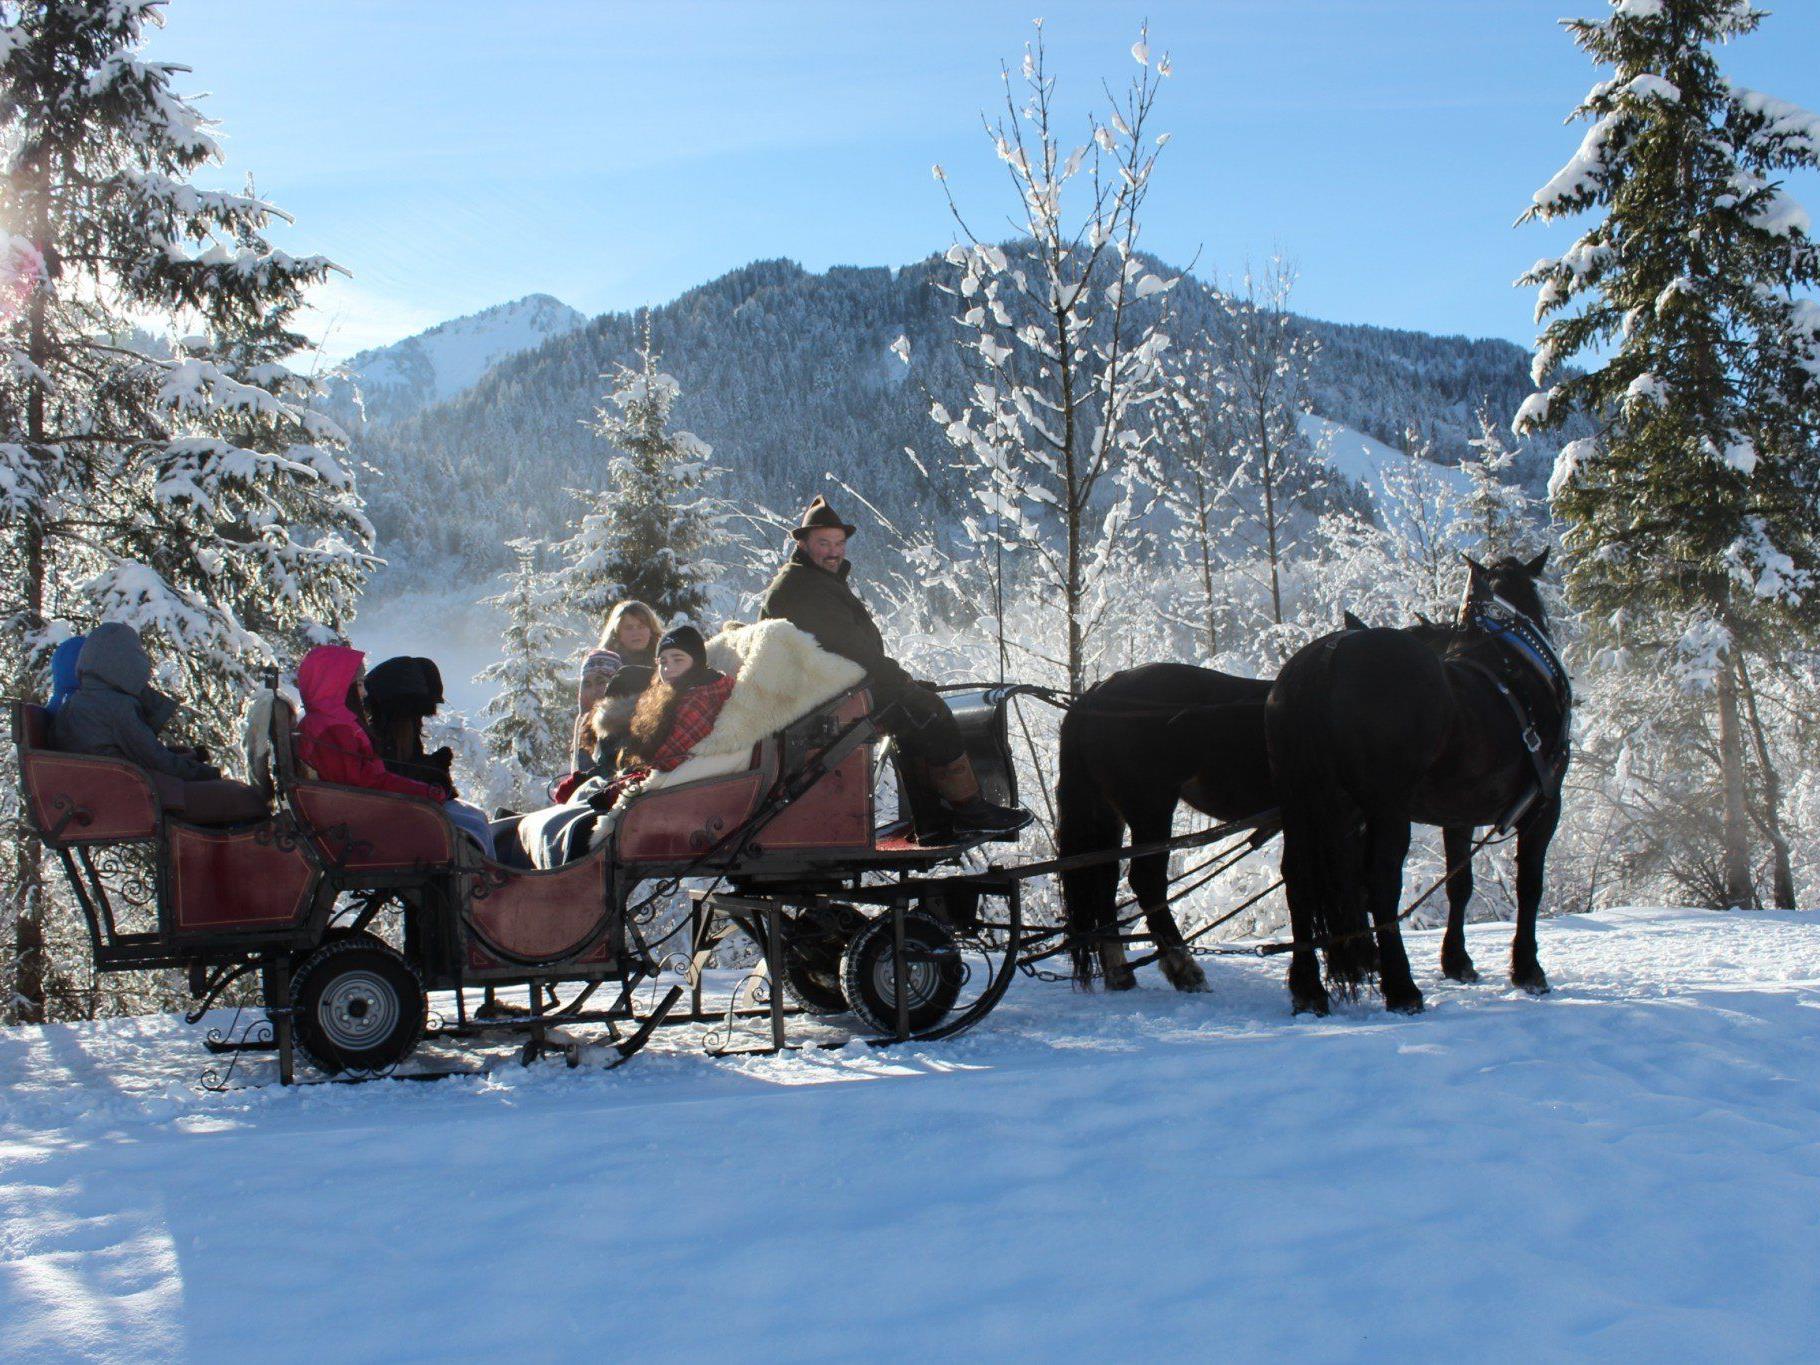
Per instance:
(1782,876)
(1074,497)
(1270,515)
(29,965)
(1207,600)
(1738,893)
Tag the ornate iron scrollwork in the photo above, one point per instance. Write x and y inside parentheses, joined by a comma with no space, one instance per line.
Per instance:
(72,813)
(486,879)
(130,871)
(280,834)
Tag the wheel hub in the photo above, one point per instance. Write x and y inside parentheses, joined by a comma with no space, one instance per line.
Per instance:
(358,1009)
(919,976)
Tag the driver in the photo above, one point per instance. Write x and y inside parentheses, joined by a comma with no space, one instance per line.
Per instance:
(811,591)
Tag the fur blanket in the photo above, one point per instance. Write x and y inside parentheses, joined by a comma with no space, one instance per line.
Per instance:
(780,675)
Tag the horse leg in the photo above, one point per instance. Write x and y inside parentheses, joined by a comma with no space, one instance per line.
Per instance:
(1115,967)
(1150,884)
(1533,834)
(1387,844)
(1456,963)
(1307,992)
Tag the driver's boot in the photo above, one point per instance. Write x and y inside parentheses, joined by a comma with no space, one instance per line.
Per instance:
(972,813)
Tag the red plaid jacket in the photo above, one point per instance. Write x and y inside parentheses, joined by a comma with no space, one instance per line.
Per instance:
(696,711)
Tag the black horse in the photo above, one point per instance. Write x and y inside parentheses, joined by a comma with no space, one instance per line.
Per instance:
(1132,747)
(1373,730)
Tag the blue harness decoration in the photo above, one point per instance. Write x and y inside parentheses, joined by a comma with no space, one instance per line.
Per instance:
(1521,640)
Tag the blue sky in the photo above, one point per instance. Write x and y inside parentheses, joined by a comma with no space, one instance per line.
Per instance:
(456,154)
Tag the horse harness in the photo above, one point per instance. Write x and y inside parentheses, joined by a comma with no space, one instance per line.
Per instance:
(1523,649)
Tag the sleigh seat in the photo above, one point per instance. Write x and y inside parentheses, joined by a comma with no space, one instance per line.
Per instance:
(697,818)
(208,886)
(356,830)
(80,800)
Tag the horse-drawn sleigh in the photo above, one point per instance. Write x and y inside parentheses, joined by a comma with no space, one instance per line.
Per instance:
(883,923)
(846,914)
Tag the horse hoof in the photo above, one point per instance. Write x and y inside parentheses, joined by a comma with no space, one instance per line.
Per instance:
(1317,1005)
(1535,981)
(1122,980)
(1463,972)
(1404,1003)
(1183,972)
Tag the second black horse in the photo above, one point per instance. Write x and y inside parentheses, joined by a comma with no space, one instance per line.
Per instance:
(1373,730)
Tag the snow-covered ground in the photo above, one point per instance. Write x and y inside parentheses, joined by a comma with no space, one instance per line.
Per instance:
(1629,1168)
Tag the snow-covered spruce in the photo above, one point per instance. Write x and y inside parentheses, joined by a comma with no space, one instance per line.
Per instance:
(1693,518)
(180,481)
(531,714)
(643,536)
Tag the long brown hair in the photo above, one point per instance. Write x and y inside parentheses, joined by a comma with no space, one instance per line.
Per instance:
(609,633)
(654,717)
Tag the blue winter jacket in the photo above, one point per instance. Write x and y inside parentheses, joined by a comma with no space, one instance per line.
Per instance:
(63,673)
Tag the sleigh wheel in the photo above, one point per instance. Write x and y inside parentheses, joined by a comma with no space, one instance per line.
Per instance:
(932,972)
(813,944)
(359,1005)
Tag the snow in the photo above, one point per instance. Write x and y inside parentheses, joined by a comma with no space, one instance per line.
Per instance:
(1585,169)
(445,360)
(461,633)
(1364,460)
(1626,1169)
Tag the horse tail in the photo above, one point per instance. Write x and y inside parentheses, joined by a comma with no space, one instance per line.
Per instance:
(1086,822)
(1323,828)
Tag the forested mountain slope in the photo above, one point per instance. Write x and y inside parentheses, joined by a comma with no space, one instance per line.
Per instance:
(790,375)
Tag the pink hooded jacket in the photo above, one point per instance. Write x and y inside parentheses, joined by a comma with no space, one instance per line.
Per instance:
(331,739)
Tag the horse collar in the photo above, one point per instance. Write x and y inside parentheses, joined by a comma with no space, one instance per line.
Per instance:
(1524,639)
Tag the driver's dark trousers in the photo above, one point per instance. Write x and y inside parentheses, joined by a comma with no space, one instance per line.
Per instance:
(919,720)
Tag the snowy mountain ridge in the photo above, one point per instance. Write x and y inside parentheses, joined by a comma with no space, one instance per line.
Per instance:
(790,374)
(395,381)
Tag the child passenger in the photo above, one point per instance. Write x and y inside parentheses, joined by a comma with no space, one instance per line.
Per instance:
(115,712)
(333,738)
(628,640)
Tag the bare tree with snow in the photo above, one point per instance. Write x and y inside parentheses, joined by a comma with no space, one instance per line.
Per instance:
(1063,331)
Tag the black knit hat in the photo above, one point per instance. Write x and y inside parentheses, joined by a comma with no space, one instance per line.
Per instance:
(688,640)
(820,517)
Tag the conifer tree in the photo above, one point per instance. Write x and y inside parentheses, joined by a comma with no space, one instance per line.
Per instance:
(1692,515)
(529,714)
(643,537)
(1498,516)
(180,483)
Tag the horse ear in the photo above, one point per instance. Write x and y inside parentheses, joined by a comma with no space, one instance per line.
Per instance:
(1351,622)
(1477,568)
(1422,619)
(1540,562)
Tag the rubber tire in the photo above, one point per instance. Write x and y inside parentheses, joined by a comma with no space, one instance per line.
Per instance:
(812,947)
(360,969)
(818,993)
(866,969)
(268,974)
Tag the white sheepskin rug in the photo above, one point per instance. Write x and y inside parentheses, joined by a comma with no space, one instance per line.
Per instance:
(780,675)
